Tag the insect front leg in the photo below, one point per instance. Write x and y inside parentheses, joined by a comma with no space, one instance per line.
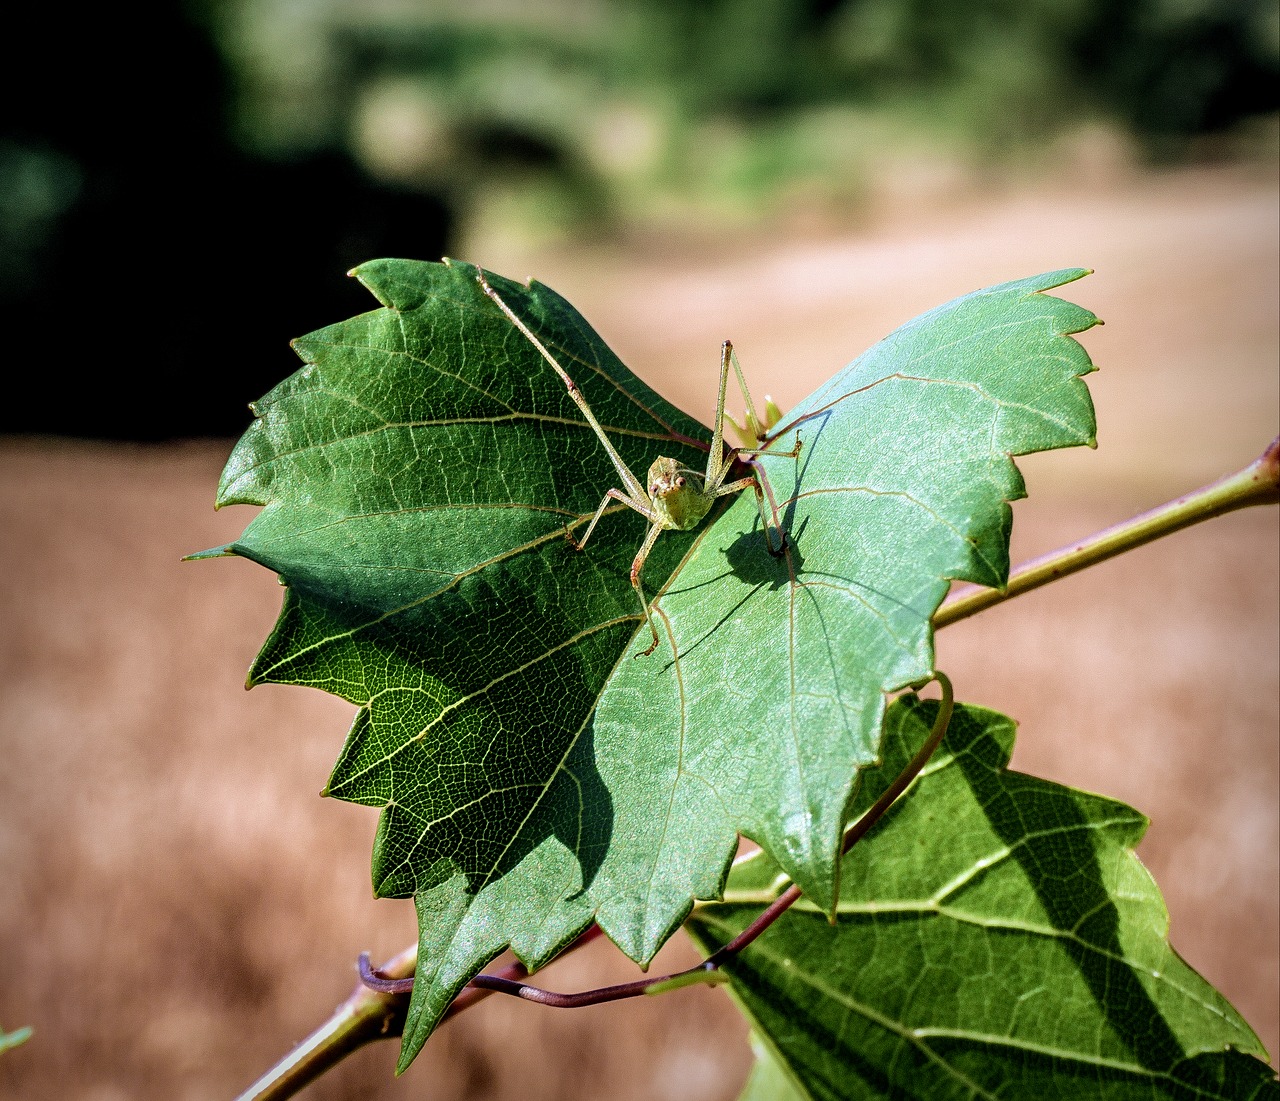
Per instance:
(612,495)
(655,529)
(764,489)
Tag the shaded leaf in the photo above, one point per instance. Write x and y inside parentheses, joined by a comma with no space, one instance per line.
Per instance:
(995,936)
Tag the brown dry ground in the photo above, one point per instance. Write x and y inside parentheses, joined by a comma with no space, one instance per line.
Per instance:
(179,907)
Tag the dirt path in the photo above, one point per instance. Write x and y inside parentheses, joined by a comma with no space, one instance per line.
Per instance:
(182,908)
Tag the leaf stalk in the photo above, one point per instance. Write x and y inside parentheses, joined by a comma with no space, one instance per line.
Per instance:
(1256,484)
(366,1015)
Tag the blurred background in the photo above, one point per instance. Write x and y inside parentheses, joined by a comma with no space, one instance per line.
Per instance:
(182,188)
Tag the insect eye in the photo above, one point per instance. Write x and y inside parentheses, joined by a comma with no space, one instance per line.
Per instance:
(653,490)
(680,483)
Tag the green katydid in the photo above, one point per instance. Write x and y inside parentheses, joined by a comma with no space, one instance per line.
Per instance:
(677,498)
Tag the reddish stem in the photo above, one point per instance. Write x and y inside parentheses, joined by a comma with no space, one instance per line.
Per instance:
(510,979)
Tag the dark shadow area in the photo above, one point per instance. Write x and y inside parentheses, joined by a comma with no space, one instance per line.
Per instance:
(749,559)
(588,832)
(151,271)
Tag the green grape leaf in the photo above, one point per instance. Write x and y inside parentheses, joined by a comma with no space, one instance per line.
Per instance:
(770,690)
(417,478)
(995,936)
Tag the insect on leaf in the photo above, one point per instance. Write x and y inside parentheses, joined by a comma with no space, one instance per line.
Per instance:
(417,476)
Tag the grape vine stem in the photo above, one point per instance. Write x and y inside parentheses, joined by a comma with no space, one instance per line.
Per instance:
(1256,484)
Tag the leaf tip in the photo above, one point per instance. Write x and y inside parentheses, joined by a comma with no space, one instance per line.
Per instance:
(1068,275)
(383,883)
(408,1053)
(227,550)
(304,351)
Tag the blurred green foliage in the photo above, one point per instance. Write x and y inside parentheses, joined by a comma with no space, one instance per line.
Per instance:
(219,137)
(587,109)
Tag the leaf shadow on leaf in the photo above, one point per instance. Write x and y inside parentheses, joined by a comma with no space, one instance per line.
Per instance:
(1085,914)
(848,1064)
(805,983)
(588,837)
(1062,866)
